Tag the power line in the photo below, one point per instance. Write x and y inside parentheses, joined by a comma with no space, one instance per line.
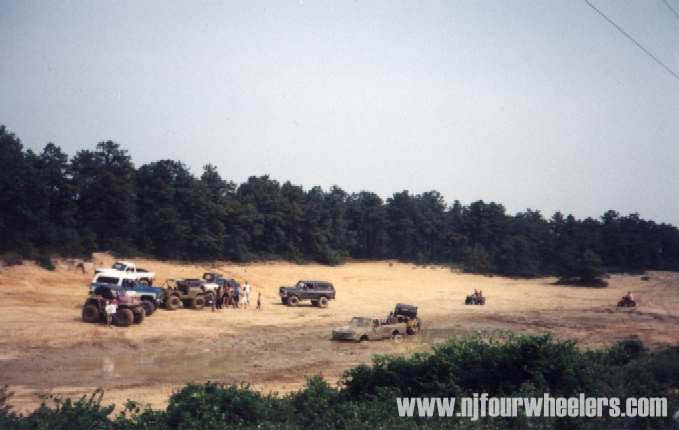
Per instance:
(646,51)
(674,11)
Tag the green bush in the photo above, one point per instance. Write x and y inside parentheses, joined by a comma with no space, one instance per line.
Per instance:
(45,262)
(12,259)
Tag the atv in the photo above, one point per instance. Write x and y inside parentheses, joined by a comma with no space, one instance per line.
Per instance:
(626,302)
(473,299)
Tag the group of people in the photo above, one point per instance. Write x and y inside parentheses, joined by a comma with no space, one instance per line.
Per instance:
(234,296)
(478,294)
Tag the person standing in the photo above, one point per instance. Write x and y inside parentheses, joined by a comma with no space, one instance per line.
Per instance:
(247,289)
(259,301)
(111,308)
(236,296)
(227,295)
(220,296)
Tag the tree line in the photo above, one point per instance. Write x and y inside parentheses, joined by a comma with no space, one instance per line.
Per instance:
(99,200)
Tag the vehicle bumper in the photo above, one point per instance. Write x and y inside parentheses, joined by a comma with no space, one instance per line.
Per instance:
(338,335)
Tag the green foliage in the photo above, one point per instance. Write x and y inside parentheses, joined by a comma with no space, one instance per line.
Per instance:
(45,262)
(500,365)
(98,200)
(477,260)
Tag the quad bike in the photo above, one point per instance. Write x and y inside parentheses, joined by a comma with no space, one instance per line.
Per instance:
(626,302)
(473,299)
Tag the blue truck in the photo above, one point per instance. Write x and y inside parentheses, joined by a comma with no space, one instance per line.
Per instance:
(151,297)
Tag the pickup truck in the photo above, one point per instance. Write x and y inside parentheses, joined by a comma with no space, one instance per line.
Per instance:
(403,321)
(129,270)
(151,297)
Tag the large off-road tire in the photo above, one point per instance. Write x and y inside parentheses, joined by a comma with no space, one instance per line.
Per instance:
(91,314)
(172,303)
(323,302)
(468,301)
(139,315)
(149,307)
(124,317)
(284,300)
(293,301)
(397,337)
(198,303)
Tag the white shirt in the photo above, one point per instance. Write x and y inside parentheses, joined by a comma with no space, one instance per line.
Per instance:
(111,308)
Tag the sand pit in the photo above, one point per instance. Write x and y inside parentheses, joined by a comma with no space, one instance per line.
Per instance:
(45,348)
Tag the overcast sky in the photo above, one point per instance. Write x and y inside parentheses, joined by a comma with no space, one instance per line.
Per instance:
(539,104)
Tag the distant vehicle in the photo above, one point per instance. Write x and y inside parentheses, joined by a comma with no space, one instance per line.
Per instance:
(403,321)
(318,292)
(475,299)
(626,302)
(212,281)
(151,297)
(189,293)
(126,270)
(130,309)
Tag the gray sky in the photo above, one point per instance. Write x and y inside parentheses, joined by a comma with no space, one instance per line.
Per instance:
(539,104)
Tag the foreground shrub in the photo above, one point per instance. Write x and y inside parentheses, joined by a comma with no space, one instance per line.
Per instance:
(502,365)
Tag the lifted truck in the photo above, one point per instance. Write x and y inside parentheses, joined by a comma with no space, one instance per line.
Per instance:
(151,297)
(130,309)
(189,293)
(403,321)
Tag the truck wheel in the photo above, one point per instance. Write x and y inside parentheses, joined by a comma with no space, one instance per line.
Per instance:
(149,307)
(397,337)
(138,315)
(314,302)
(293,301)
(284,300)
(323,302)
(173,303)
(198,303)
(91,314)
(124,317)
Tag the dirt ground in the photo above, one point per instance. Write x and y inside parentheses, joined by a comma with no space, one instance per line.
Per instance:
(46,348)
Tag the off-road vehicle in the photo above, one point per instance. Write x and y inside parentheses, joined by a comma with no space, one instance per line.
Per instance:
(626,302)
(130,309)
(319,292)
(151,297)
(189,293)
(212,281)
(403,321)
(126,270)
(475,299)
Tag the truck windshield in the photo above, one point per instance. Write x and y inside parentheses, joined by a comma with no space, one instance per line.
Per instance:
(119,266)
(359,322)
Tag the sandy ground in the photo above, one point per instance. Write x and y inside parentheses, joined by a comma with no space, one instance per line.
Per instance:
(46,348)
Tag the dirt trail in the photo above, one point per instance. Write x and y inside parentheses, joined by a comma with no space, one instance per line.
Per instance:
(46,348)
